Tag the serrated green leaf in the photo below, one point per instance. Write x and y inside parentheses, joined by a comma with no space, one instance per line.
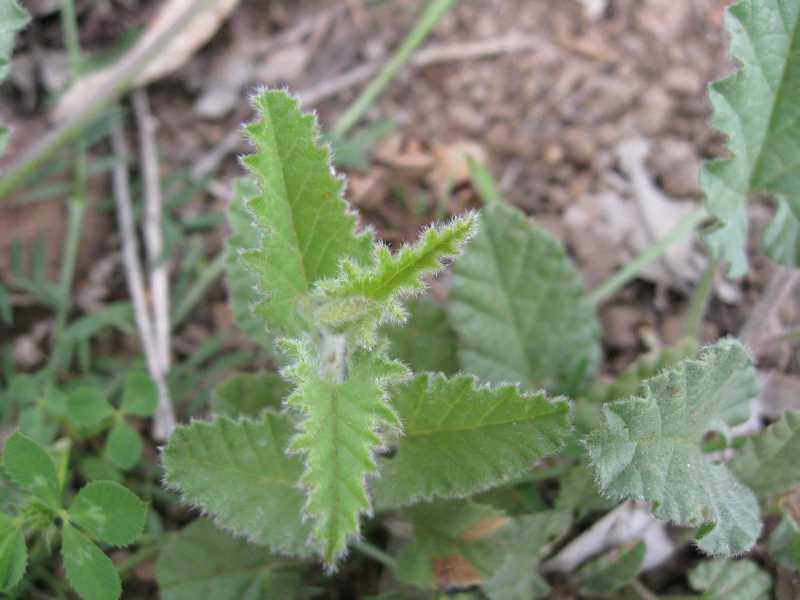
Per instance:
(781,238)
(13,553)
(721,579)
(339,432)
(365,298)
(756,108)
(305,224)
(461,438)
(768,462)
(454,545)
(426,342)
(139,395)
(519,308)
(613,570)
(526,539)
(629,382)
(90,572)
(123,446)
(247,394)
(649,448)
(242,283)
(202,561)
(109,511)
(239,473)
(88,406)
(30,467)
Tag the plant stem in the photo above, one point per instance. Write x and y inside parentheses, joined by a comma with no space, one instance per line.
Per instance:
(374,553)
(198,289)
(630,271)
(77,204)
(699,300)
(422,28)
(76,211)
(69,29)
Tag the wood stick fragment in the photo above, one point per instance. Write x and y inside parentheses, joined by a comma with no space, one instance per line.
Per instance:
(164,420)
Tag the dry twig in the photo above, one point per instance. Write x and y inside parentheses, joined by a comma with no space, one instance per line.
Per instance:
(164,421)
(153,236)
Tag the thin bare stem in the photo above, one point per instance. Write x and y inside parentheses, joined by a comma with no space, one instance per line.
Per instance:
(153,234)
(165,417)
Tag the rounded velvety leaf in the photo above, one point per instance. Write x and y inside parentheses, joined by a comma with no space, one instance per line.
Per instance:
(109,511)
(519,307)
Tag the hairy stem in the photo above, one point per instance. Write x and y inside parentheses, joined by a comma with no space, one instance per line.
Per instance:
(333,357)
(630,271)
(426,22)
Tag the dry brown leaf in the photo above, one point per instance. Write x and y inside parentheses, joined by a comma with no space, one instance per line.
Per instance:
(455,571)
(484,529)
(182,47)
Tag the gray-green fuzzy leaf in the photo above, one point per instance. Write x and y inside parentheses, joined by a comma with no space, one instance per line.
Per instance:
(612,570)
(202,561)
(243,287)
(460,438)
(239,473)
(756,108)
(339,432)
(247,394)
(721,579)
(454,545)
(518,306)
(426,342)
(769,463)
(526,539)
(305,223)
(649,448)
